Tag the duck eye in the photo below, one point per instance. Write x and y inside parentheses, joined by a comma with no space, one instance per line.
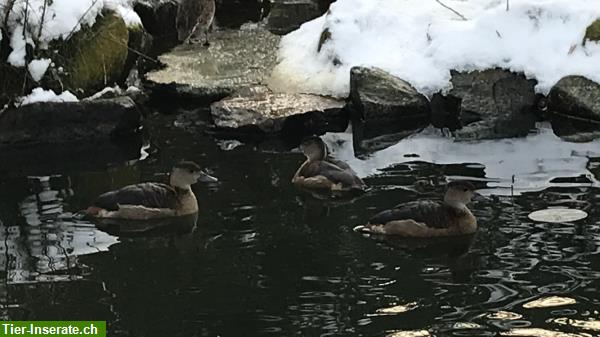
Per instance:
(190,170)
(465,190)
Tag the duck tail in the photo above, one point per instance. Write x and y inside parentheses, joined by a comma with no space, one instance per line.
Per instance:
(370,229)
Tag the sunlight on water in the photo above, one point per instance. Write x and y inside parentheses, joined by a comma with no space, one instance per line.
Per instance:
(397,309)
(592,325)
(418,333)
(536,332)
(547,302)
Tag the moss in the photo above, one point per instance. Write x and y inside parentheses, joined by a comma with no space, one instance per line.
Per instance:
(95,56)
(593,32)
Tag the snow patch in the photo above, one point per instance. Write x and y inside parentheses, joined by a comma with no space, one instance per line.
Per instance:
(41,95)
(421,41)
(57,19)
(37,68)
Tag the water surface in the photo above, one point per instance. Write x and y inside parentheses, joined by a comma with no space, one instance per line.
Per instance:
(267,260)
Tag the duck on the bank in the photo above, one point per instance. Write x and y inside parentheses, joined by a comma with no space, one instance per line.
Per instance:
(322,172)
(193,17)
(153,200)
(426,218)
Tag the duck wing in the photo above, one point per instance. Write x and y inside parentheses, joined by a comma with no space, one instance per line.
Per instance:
(433,214)
(334,173)
(151,195)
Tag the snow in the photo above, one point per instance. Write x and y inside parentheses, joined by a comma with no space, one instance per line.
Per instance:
(421,41)
(37,68)
(534,161)
(59,20)
(41,95)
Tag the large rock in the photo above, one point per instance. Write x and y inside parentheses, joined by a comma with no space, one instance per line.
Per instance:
(576,97)
(575,108)
(382,103)
(95,57)
(494,103)
(260,110)
(53,122)
(287,15)
(235,59)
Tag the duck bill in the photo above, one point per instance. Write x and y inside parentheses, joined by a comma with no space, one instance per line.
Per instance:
(206,178)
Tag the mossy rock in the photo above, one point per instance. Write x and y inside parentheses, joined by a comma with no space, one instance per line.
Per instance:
(593,32)
(95,57)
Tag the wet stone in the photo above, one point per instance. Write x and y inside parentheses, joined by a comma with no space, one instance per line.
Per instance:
(287,15)
(576,97)
(63,122)
(235,59)
(260,110)
(494,103)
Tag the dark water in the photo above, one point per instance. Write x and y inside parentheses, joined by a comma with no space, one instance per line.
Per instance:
(266,260)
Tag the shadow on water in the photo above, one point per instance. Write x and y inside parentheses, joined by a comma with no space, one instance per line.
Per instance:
(265,259)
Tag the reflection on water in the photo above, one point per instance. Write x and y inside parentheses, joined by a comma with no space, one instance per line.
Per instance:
(533,162)
(547,302)
(50,241)
(268,260)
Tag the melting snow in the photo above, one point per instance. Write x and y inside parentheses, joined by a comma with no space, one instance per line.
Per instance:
(421,41)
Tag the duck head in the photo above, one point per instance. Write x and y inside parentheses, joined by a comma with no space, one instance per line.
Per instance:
(186,173)
(459,193)
(314,148)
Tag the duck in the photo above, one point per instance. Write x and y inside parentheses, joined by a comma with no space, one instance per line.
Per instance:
(322,172)
(194,16)
(151,200)
(428,218)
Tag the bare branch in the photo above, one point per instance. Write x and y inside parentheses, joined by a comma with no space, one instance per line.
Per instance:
(451,9)
(80,20)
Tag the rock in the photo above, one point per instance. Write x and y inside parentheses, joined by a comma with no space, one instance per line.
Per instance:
(287,15)
(234,13)
(10,78)
(52,122)
(234,60)
(576,97)
(262,111)
(158,18)
(382,103)
(592,33)
(494,103)
(95,56)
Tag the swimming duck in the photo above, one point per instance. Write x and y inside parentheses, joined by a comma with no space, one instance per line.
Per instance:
(320,171)
(153,200)
(425,218)
(194,16)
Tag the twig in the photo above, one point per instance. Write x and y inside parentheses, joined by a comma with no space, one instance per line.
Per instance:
(451,9)
(80,20)
(39,35)
(25,24)
(137,52)
(507,5)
